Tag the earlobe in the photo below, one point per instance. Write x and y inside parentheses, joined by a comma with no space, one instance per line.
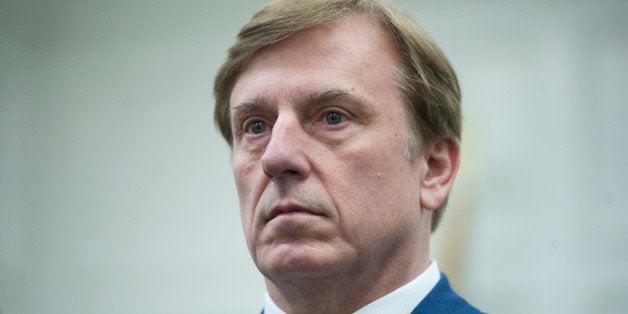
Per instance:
(442,160)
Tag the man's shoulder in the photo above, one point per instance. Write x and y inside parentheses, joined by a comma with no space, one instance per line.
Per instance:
(443,299)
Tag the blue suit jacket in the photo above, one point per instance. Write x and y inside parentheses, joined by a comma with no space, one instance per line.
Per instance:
(442,300)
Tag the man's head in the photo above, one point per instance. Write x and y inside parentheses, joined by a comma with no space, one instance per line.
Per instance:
(343,120)
(424,76)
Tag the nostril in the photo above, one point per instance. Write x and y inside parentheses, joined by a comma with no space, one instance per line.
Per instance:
(292,172)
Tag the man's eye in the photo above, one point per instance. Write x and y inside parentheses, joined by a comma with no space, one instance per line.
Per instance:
(333,117)
(257,127)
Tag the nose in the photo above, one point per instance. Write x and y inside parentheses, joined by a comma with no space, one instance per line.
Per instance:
(285,156)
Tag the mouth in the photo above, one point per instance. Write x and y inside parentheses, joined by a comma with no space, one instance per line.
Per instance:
(289,210)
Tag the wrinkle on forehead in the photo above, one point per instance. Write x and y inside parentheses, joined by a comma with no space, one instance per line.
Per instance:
(328,38)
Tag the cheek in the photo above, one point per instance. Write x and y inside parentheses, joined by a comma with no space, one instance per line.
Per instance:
(245,175)
(378,186)
(246,180)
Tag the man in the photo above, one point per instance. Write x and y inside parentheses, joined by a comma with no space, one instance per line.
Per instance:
(344,123)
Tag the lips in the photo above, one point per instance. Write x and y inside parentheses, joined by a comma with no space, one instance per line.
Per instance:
(290,209)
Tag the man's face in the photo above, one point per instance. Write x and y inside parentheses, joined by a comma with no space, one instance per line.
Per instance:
(319,154)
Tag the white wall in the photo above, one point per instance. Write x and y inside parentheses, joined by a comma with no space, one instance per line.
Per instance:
(116,193)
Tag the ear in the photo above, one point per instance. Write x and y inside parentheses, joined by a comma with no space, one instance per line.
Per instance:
(442,159)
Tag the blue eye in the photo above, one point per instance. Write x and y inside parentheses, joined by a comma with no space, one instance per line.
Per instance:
(257,127)
(333,117)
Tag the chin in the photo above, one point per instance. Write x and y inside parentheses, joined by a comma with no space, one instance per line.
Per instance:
(294,261)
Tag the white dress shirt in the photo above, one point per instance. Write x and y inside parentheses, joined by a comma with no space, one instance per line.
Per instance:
(402,300)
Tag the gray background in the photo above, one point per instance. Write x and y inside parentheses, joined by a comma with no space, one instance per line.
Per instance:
(116,193)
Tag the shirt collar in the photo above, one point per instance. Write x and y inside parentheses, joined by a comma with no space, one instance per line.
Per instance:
(270,307)
(402,300)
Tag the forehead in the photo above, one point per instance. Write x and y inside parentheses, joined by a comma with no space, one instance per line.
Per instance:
(355,53)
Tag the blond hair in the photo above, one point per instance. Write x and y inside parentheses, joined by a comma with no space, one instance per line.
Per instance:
(426,78)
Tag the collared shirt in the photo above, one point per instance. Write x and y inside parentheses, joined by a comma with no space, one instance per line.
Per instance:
(402,300)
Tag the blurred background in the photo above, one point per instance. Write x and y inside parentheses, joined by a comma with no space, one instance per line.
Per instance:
(116,194)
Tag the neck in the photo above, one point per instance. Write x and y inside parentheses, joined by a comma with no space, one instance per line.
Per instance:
(347,292)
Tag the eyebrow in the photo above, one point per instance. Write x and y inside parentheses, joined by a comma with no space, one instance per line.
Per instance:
(326,96)
(250,105)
